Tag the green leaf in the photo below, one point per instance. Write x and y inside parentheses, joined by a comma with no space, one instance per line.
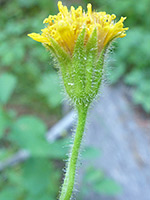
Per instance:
(107,187)
(27,3)
(93,175)
(40,177)
(15,178)
(4,154)
(11,58)
(96,179)
(50,88)
(7,85)
(6,118)
(146,104)
(59,149)
(134,77)
(3,122)
(142,98)
(9,193)
(28,132)
(91,153)
(43,196)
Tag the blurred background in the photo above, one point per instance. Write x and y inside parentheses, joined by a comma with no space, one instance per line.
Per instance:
(35,121)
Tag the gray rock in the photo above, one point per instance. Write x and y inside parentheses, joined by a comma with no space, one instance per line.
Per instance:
(114,129)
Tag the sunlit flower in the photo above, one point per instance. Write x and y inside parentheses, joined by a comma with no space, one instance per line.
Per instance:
(66,26)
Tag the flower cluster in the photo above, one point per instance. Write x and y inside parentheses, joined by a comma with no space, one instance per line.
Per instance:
(79,40)
(66,26)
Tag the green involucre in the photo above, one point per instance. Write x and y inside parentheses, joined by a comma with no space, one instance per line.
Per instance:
(82,71)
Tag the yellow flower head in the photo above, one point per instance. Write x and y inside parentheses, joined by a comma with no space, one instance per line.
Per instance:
(66,26)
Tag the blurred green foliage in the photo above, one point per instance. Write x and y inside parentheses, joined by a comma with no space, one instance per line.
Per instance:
(25,60)
(27,78)
(40,176)
(132,56)
(95,180)
(23,68)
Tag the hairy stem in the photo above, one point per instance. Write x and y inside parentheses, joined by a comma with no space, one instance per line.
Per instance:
(69,180)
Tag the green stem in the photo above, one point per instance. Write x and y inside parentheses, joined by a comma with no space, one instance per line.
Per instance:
(69,180)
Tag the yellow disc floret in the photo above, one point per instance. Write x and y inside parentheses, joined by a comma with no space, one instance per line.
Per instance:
(66,26)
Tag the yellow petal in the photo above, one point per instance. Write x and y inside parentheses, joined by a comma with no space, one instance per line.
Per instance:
(39,38)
